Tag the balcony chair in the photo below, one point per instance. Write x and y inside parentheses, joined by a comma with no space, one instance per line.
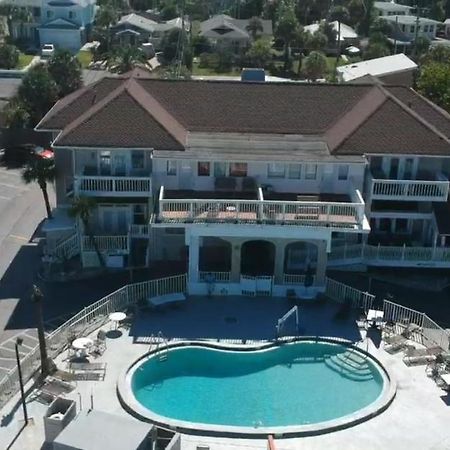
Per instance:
(99,346)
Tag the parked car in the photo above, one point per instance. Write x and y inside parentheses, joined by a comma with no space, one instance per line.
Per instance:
(20,154)
(48,50)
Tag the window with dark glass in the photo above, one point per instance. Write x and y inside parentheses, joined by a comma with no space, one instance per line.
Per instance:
(203,168)
(238,169)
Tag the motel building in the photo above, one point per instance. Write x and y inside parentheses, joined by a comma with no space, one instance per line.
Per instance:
(257,187)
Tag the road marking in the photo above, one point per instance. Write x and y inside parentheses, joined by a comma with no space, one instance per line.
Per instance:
(19,238)
(5,198)
(13,186)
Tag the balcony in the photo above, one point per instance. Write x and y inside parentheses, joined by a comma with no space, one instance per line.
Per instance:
(106,186)
(433,189)
(326,210)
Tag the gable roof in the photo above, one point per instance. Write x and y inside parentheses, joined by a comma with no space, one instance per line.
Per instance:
(238,27)
(134,110)
(60,22)
(347,32)
(391,6)
(377,67)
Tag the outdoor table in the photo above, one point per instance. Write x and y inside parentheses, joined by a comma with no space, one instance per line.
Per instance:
(375,316)
(116,318)
(82,345)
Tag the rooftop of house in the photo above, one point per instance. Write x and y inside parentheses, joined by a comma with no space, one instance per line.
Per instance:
(147,24)
(222,24)
(347,32)
(134,110)
(411,20)
(391,6)
(377,67)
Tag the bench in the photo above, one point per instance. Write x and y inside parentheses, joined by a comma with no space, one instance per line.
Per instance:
(162,300)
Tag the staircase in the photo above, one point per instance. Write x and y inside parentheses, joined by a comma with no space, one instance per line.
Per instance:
(350,364)
(67,248)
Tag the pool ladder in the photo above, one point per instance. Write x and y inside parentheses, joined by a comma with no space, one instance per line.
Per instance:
(161,343)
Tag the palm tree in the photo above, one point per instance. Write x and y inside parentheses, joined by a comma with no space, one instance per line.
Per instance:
(286,28)
(300,42)
(82,208)
(126,58)
(254,27)
(36,298)
(42,171)
(21,15)
(341,14)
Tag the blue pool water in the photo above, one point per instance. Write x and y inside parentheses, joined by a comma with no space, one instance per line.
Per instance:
(295,384)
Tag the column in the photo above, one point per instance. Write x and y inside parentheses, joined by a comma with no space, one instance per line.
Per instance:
(279,262)
(322,259)
(194,247)
(235,276)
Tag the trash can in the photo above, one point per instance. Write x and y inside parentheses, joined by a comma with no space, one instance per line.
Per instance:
(60,412)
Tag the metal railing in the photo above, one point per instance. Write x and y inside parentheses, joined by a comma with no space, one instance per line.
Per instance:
(413,190)
(67,248)
(342,293)
(377,254)
(99,185)
(139,230)
(85,322)
(106,243)
(302,213)
(423,329)
(214,277)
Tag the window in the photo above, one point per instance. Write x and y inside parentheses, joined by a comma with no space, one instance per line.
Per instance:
(343,172)
(171,167)
(203,169)
(401,225)
(105,163)
(403,28)
(413,28)
(137,159)
(311,171)
(49,14)
(276,170)
(295,171)
(71,14)
(220,169)
(174,230)
(238,169)
(425,28)
(431,28)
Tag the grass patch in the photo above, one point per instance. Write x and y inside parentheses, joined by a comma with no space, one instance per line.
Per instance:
(207,71)
(24,60)
(85,58)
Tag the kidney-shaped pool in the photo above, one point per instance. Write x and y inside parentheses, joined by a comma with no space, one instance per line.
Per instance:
(301,387)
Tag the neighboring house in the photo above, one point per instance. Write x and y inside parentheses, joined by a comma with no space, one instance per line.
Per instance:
(394,69)
(135,29)
(447,28)
(66,23)
(225,31)
(252,191)
(405,28)
(391,9)
(348,35)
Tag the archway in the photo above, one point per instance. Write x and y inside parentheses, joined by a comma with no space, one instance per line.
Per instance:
(214,255)
(298,256)
(257,258)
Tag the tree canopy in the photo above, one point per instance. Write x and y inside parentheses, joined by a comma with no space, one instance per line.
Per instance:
(434,83)
(9,56)
(65,70)
(315,66)
(260,53)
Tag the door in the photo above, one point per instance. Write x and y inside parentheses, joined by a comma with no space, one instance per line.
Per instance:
(115,219)
(393,171)
(186,178)
(119,164)
(408,169)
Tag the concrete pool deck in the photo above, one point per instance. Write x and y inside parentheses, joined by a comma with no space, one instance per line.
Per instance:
(418,418)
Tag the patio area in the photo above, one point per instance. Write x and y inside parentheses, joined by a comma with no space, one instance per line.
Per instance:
(417,419)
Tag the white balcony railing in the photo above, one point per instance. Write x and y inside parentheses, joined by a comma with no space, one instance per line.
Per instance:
(214,277)
(410,190)
(117,244)
(303,213)
(139,231)
(118,186)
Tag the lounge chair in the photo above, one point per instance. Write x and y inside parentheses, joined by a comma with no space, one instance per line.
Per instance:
(421,356)
(51,389)
(88,371)
(99,344)
(395,343)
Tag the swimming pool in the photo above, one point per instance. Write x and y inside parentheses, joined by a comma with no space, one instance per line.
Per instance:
(301,386)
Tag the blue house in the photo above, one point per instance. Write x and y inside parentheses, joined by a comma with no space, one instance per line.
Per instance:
(66,23)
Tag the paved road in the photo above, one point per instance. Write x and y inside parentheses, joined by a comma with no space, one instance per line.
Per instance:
(21,211)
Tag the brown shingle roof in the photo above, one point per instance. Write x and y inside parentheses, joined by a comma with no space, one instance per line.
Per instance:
(110,127)
(391,129)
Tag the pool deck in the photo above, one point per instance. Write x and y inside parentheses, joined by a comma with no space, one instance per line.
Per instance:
(418,418)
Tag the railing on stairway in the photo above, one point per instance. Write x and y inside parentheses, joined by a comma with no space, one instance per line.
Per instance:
(68,248)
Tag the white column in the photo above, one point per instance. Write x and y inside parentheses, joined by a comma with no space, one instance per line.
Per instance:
(194,247)
(235,262)
(322,259)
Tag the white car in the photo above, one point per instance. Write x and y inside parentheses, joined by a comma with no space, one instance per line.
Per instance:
(47,50)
